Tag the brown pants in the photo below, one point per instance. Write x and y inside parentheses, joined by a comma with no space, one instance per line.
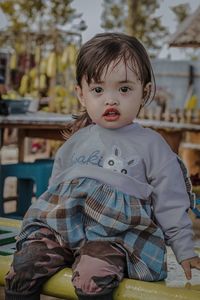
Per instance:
(41,255)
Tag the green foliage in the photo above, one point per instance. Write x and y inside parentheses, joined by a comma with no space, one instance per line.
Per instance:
(35,15)
(181,12)
(137,18)
(113,15)
(52,10)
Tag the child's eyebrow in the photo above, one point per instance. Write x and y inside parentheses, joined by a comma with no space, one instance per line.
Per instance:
(127,81)
(121,81)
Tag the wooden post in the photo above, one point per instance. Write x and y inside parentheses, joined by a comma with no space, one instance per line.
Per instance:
(191,153)
(173,138)
(20,141)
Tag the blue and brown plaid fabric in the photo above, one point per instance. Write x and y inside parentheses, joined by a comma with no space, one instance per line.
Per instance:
(86,210)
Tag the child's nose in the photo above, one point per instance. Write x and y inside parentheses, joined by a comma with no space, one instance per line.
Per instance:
(111,101)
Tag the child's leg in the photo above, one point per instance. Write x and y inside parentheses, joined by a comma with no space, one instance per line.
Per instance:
(37,258)
(98,269)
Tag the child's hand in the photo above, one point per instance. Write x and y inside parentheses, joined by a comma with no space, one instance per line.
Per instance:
(189,264)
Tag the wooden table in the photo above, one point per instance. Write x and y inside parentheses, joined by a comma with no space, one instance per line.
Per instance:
(35,125)
(50,125)
(173,132)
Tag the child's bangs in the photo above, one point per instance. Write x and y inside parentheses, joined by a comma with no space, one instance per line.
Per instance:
(132,63)
(98,64)
(101,64)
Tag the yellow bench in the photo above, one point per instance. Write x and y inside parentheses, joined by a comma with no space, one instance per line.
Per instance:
(60,285)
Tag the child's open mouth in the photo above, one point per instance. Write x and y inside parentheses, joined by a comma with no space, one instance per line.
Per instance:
(111,114)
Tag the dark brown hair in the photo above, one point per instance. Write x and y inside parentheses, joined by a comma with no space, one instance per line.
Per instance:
(98,53)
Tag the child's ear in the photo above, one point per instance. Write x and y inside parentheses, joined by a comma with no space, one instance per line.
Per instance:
(146,91)
(79,94)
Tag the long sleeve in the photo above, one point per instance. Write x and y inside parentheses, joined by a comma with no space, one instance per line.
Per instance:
(170,204)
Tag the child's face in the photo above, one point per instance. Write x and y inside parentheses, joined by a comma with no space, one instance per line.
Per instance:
(113,102)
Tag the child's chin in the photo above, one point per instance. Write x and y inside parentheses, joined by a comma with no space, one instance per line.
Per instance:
(110,125)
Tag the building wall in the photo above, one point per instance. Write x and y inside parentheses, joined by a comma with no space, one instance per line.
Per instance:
(173,76)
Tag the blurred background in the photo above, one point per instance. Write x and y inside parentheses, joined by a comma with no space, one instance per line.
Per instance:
(39,41)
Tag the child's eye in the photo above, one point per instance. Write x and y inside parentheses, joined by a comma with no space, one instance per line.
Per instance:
(97,90)
(124,89)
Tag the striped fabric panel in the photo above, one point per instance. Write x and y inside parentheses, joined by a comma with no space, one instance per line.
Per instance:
(188,183)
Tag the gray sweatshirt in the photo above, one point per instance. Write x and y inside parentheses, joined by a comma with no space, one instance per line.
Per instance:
(136,161)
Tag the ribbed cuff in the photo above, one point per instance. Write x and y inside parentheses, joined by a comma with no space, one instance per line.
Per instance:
(9,295)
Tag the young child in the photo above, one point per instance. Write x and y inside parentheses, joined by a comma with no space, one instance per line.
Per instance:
(117,193)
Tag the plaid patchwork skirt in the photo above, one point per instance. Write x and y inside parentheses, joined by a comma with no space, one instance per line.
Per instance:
(85,209)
